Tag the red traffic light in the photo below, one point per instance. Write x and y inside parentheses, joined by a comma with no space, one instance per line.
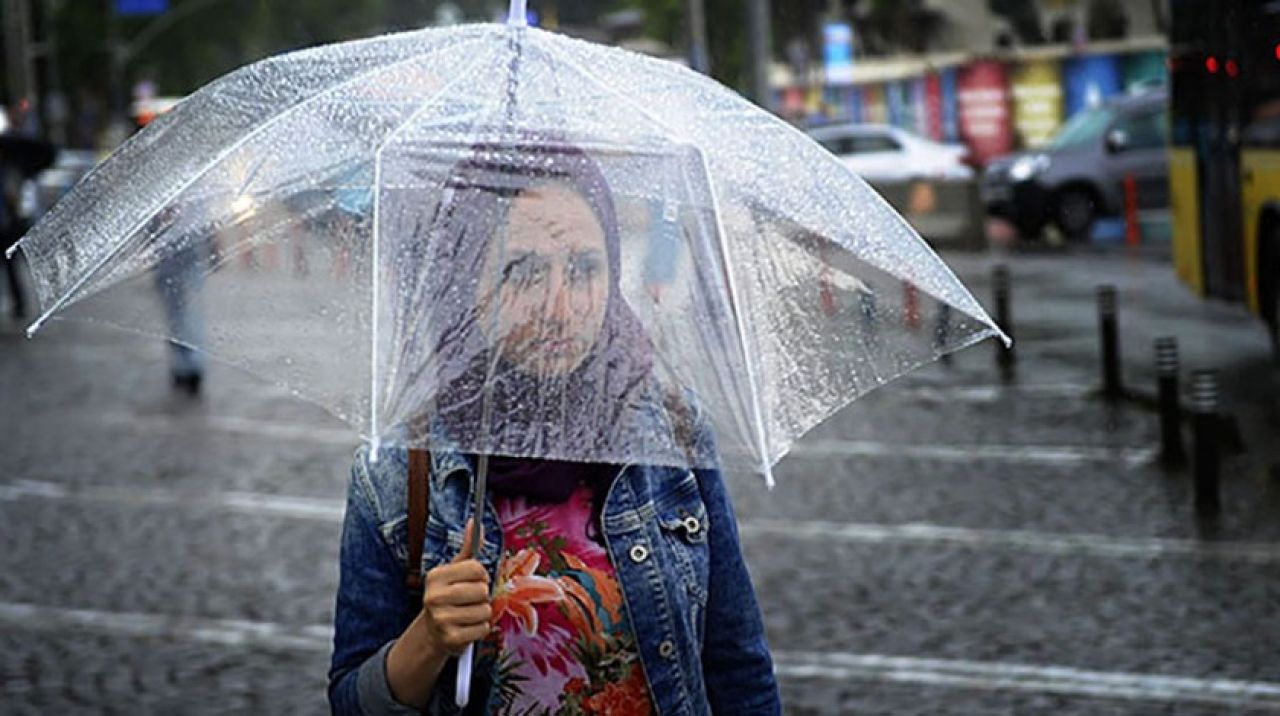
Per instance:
(1211,64)
(1233,69)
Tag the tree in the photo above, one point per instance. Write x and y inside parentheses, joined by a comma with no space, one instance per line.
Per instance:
(1023,17)
(726,33)
(1107,21)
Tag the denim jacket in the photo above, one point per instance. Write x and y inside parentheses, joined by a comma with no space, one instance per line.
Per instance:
(672,537)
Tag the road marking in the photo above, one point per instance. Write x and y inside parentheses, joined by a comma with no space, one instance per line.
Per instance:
(1083,544)
(250,427)
(329,510)
(810,449)
(797,665)
(224,632)
(1038,454)
(984,394)
(997,676)
(296,507)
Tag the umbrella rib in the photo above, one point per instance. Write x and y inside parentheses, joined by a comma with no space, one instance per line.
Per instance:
(590,77)
(377,195)
(734,295)
(762,432)
(678,73)
(290,111)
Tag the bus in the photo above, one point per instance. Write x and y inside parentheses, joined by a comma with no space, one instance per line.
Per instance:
(1224,155)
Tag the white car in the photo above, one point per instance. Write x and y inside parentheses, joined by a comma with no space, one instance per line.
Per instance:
(879,152)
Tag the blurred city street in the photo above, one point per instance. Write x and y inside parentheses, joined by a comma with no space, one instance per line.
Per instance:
(951,543)
(310,191)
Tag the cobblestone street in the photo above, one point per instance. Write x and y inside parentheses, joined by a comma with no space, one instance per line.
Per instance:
(948,544)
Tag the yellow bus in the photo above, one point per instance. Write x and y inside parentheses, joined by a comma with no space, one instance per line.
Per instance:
(1224,158)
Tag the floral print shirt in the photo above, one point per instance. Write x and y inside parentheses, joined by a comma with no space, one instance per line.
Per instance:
(560,631)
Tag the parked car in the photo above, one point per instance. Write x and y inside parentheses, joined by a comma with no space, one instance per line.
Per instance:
(1080,174)
(52,183)
(880,152)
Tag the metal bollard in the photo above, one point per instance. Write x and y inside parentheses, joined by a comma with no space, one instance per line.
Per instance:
(942,332)
(1112,388)
(870,319)
(1005,357)
(1171,450)
(1204,406)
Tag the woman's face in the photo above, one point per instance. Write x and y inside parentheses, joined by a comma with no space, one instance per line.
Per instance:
(552,278)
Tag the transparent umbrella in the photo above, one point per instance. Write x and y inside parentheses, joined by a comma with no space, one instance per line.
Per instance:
(761,286)
(516,243)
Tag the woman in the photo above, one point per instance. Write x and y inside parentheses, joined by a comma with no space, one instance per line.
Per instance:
(598,588)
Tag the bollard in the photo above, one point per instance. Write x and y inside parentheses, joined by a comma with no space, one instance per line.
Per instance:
(1112,388)
(1204,406)
(1005,357)
(942,332)
(911,305)
(1171,451)
(1132,229)
(870,319)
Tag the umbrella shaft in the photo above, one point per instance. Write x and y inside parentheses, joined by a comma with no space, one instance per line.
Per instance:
(478,492)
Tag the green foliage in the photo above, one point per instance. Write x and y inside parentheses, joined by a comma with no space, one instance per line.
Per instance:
(726,33)
(204,39)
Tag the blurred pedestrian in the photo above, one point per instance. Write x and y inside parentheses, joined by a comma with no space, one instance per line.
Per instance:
(662,252)
(596,588)
(179,278)
(12,227)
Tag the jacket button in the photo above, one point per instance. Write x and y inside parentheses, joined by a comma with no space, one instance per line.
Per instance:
(639,553)
(692,525)
(667,649)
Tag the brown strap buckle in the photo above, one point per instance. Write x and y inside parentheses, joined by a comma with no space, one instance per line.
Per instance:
(419,499)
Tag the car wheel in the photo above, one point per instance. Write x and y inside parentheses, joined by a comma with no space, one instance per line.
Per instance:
(1074,212)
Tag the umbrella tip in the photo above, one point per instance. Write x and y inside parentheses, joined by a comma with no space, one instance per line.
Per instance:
(31,329)
(9,252)
(517,14)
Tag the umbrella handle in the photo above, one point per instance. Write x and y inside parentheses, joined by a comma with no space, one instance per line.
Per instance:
(462,694)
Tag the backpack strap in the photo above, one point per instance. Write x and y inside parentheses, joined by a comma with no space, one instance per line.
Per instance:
(419,500)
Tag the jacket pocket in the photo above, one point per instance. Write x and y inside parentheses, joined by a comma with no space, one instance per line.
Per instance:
(683,523)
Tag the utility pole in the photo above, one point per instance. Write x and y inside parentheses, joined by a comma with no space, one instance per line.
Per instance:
(760,45)
(699,57)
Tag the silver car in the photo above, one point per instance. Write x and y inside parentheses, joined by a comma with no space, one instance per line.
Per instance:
(1082,173)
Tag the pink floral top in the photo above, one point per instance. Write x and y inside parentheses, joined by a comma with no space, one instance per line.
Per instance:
(560,630)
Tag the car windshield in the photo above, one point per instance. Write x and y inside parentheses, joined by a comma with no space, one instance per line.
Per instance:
(1083,128)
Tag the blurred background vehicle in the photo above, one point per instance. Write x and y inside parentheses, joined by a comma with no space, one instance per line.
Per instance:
(1224,153)
(1080,175)
(52,183)
(880,152)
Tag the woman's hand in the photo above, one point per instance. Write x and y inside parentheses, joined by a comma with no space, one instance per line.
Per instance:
(455,612)
(455,603)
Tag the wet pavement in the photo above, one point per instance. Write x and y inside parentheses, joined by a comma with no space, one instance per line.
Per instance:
(950,543)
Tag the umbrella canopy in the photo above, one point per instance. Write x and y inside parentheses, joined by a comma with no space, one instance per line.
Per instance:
(561,250)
